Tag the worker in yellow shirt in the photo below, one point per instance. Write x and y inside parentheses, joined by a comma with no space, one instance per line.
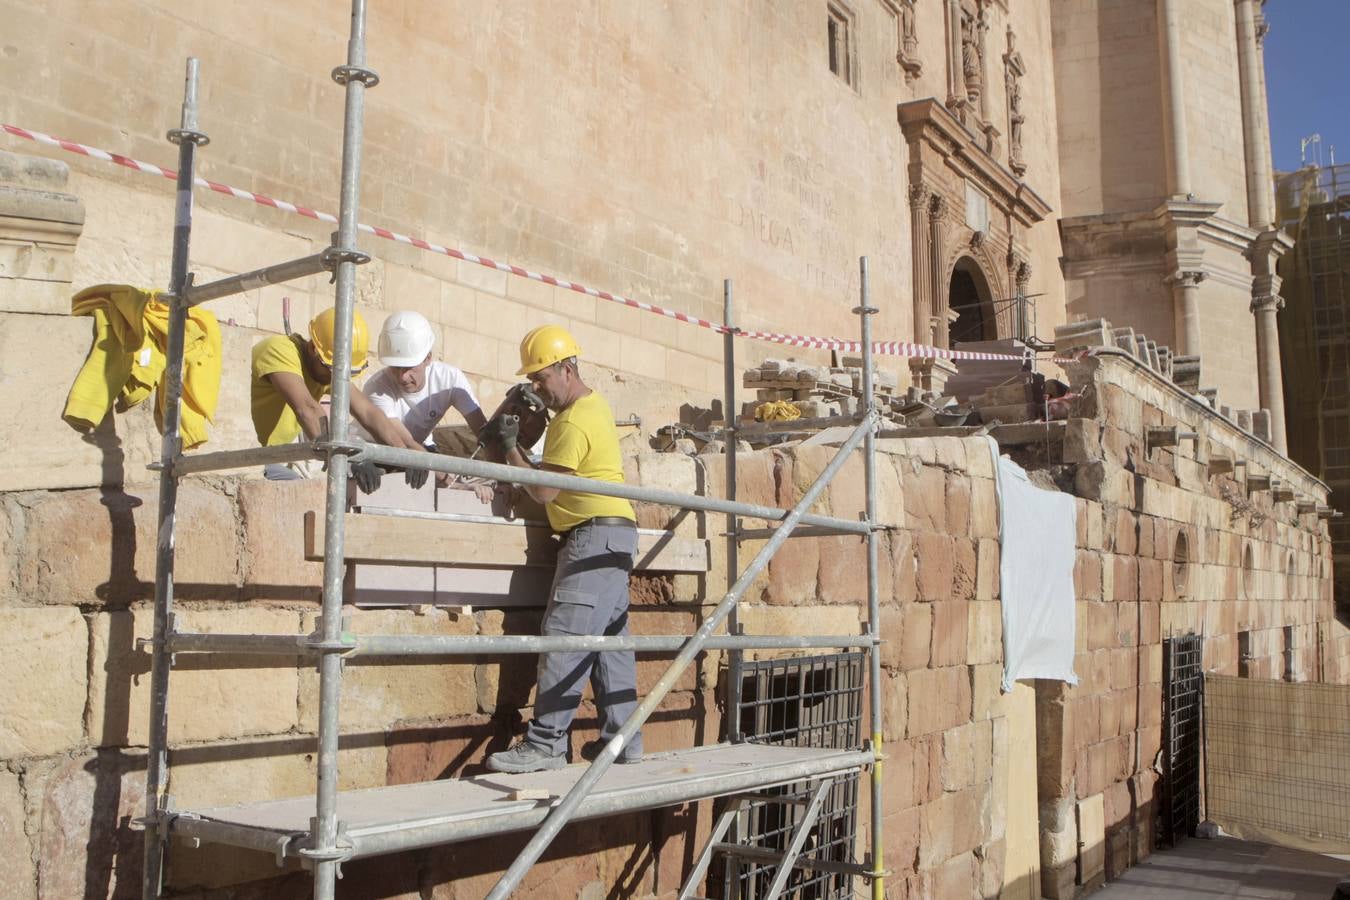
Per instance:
(292,373)
(590,584)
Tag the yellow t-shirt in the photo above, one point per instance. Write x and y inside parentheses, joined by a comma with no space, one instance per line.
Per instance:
(583,438)
(273,419)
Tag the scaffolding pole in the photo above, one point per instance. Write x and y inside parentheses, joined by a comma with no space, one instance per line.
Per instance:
(324,851)
(865,312)
(730,439)
(562,813)
(157,805)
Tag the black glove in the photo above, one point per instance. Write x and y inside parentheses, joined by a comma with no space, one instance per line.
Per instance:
(501,432)
(367,475)
(415,477)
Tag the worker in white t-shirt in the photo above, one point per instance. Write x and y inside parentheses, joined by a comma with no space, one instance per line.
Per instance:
(416,391)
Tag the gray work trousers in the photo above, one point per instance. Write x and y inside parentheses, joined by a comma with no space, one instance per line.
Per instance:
(589,597)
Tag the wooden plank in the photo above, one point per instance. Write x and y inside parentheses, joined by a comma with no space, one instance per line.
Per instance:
(397,539)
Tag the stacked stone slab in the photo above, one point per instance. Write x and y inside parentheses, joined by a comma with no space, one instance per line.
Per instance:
(818,391)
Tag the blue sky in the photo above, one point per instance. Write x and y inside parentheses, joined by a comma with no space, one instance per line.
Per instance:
(1308,78)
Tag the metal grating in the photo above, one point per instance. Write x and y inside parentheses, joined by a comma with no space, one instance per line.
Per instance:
(1183,694)
(1277,761)
(811,701)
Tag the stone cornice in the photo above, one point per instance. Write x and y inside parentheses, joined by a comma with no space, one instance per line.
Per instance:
(929,122)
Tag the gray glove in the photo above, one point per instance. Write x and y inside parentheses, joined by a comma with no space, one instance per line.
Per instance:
(502,432)
(415,477)
(367,475)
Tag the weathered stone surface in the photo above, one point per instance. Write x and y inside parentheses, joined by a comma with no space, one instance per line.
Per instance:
(984,632)
(950,624)
(86,846)
(952,825)
(446,749)
(96,546)
(836,619)
(935,555)
(843,569)
(43,653)
(793,573)
(377,694)
(272,514)
(904,566)
(239,771)
(925,498)
(938,699)
(895,706)
(17,870)
(231,697)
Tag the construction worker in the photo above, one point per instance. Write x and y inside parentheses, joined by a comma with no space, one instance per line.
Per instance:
(292,373)
(414,391)
(599,537)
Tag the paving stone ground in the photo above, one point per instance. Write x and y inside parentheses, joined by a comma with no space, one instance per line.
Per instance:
(1228,867)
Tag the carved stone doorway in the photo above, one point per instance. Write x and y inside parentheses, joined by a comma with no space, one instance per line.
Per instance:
(971,301)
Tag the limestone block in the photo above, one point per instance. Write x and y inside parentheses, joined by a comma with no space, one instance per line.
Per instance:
(843,569)
(904,566)
(951,825)
(938,699)
(914,640)
(95,546)
(967,754)
(984,632)
(951,619)
(273,514)
(984,520)
(240,771)
(986,691)
(926,499)
(987,575)
(935,555)
(798,620)
(957,877)
(231,697)
(432,750)
(895,706)
(43,653)
(1091,839)
(675,472)
(958,504)
(17,871)
(83,843)
(794,572)
(377,694)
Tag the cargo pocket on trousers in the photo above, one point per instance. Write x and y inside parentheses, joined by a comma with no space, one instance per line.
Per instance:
(622,544)
(571,613)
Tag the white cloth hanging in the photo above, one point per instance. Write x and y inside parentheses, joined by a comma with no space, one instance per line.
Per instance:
(1037,531)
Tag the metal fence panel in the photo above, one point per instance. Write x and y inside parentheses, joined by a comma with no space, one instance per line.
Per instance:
(1277,760)
(1183,688)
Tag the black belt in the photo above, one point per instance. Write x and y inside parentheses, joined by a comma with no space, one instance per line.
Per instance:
(605,520)
(599,520)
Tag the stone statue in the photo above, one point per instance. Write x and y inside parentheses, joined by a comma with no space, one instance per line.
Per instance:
(909,42)
(1013,70)
(970,59)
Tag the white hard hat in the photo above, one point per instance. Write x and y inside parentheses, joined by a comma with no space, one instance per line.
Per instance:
(405,339)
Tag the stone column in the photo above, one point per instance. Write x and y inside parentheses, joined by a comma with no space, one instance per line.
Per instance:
(923,283)
(1186,310)
(1270,383)
(1260,211)
(1174,98)
(937,240)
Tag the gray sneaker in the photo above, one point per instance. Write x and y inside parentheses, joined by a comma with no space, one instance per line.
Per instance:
(524,757)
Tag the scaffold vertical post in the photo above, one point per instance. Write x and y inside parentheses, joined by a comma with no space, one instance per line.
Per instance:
(729,441)
(188,138)
(865,312)
(324,850)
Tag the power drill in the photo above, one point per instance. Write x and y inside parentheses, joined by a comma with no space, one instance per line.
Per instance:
(525,406)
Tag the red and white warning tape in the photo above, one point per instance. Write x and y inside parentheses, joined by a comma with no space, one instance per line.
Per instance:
(885,348)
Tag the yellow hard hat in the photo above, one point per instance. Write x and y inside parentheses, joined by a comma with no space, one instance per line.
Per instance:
(321,329)
(545,346)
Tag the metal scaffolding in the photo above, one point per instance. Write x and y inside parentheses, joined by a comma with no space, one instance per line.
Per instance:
(325,830)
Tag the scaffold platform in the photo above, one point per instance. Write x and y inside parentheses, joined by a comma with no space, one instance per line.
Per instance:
(377,821)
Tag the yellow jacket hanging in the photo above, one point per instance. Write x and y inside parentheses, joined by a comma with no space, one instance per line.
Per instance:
(126,361)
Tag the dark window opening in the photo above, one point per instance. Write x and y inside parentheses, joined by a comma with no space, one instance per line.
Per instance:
(839,38)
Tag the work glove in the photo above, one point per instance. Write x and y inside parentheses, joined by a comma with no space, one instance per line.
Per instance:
(501,432)
(367,475)
(415,477)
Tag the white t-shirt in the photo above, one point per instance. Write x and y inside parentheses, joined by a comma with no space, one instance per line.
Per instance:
(445,387)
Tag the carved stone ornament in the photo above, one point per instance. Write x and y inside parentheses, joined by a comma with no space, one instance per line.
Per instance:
(938,207)
(918,196)
(977,239)
(909,42)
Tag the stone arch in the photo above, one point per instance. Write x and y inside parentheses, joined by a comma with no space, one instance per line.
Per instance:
(971,295)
